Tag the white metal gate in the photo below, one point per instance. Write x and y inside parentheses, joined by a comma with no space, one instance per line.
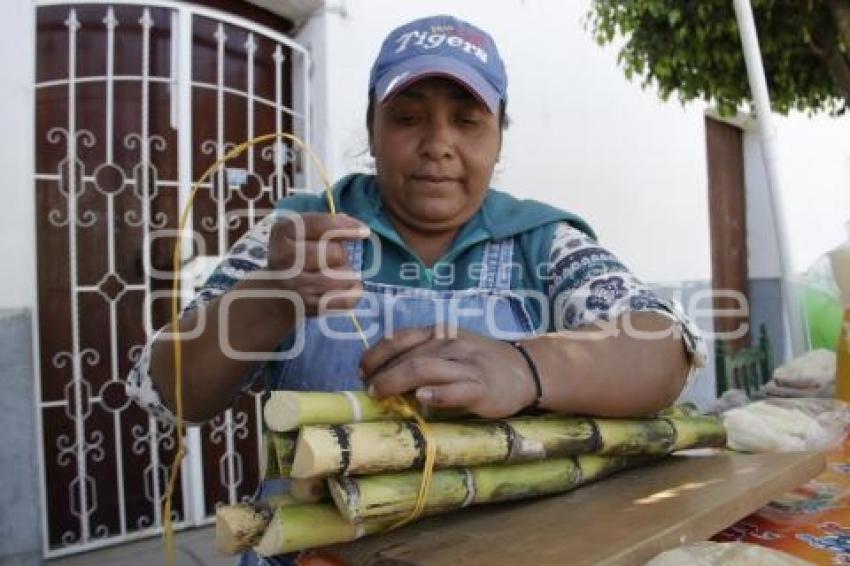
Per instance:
(90,203)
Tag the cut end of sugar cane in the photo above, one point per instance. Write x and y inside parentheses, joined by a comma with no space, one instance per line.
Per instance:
(239,527)
(308,490)
(272,540)
(299,527)
(282,411)
(288,410)
(311,455)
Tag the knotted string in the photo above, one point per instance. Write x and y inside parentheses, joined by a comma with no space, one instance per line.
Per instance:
(397,404)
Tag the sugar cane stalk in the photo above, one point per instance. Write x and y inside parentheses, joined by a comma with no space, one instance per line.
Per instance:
(364,448)
(393,495)
(289,410)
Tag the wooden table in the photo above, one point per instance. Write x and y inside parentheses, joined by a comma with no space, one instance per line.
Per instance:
(625,519)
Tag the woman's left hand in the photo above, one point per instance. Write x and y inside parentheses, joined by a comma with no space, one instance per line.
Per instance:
(450,368)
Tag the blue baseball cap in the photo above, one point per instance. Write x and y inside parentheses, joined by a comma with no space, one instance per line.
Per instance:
(440,46)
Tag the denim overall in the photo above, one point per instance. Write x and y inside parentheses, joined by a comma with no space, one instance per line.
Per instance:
(330,363)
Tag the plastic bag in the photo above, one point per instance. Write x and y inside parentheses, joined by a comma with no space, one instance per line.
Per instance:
(730,399)
(787,425)
(722,553)
(810,375)
(821,302)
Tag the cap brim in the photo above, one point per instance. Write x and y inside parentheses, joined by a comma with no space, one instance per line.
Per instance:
(417,68)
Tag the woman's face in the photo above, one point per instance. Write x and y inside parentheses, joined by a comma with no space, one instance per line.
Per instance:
(435,146)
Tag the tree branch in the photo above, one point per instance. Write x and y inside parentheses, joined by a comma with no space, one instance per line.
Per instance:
(841,14)
(824,44)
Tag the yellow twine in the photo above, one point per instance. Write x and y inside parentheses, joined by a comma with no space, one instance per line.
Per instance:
(398,404)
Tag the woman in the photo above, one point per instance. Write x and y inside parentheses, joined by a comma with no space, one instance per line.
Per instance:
(465,292)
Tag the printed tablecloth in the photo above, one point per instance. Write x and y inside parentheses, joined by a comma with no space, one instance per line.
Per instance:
(812,522)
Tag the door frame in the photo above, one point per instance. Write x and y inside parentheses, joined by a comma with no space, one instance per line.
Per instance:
(727,209)
(181,81)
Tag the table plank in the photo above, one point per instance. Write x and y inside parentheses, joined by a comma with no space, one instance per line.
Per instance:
(625,519)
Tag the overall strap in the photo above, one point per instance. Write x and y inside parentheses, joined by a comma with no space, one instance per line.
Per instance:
(354,249)
(496,265)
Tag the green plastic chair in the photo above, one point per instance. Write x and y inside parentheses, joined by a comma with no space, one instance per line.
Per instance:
(747,369)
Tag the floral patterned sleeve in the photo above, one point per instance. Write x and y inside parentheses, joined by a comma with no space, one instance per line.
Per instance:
(588,284)
(247,254)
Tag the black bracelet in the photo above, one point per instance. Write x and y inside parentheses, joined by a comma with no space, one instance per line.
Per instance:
(534,374)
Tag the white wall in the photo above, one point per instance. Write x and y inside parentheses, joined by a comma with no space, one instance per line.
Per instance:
(17,119)
(582,137)
(762,249)
(814,164)
(313,36)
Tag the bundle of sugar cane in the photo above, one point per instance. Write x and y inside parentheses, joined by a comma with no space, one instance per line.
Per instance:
(478,461)
(372,504)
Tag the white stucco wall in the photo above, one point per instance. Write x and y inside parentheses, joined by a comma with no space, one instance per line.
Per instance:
(815,171)
(313,36)
(17,211)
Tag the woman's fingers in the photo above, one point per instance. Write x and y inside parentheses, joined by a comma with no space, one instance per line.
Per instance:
(401,342)
(324,293)
(316,256)
(319,225)
(415,372)
(307,255)
(312,241)
(453,395)
(442,341)
(327,256)
(316,283)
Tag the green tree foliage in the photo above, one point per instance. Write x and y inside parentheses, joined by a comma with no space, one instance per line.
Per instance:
(692,48)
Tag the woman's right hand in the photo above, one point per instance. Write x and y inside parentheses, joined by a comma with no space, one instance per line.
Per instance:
(306,257)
